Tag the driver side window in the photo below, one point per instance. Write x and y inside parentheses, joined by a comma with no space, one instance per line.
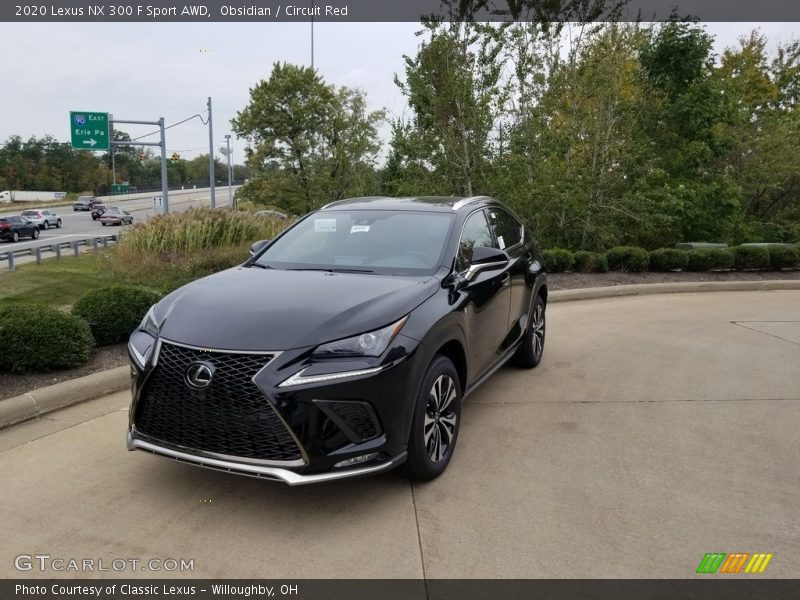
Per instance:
(476,233)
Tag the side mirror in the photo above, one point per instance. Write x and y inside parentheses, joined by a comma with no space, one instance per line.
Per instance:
(258,246)
(484,259)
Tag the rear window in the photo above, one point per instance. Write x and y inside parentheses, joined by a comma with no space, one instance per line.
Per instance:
(30,213)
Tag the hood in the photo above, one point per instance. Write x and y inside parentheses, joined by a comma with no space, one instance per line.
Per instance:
(257,309)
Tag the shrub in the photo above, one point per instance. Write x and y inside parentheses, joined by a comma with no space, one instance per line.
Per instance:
(748,258)
(35,337)
(783,257)
(668,259)
(558,260)
(590,262)
(627,258)
(710,259)
(114,312)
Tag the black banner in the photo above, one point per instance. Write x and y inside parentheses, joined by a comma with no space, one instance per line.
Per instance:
(395,10)
(712,588)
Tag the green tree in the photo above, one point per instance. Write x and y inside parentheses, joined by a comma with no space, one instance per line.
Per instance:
(309,142)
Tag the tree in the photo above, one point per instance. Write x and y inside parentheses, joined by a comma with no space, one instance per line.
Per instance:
(309,142)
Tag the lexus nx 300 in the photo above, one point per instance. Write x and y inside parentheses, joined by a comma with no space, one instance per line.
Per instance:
(343,347)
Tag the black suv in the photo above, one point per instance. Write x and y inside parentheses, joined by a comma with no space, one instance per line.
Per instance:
(344,346)
(13,228)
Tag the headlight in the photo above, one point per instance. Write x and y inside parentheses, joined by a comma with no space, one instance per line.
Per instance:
(372,343)
(148,324)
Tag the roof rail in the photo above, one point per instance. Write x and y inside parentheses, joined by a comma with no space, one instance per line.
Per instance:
(464,201)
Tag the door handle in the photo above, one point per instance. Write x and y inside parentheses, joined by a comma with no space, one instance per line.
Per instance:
(506,280)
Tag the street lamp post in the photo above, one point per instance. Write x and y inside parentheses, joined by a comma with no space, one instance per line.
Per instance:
(227,152)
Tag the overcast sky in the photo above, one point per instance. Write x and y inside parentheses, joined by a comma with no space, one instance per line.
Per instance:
(146,71)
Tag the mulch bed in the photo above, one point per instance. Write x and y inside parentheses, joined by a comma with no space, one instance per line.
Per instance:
(108,357)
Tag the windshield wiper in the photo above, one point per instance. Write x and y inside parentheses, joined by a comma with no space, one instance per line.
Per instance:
(333,269)
(260,266)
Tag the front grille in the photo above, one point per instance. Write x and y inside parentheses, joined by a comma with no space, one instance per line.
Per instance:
(231,416)
(358,417)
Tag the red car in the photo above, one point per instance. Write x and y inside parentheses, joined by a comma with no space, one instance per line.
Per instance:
(114,215)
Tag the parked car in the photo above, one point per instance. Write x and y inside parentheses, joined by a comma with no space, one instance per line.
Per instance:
(346,344)
(98,211)
(114,215)
(45,219)
(85,203)
(13,228)
(272,213)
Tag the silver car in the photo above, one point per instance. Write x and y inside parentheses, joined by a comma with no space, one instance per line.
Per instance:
(44,218)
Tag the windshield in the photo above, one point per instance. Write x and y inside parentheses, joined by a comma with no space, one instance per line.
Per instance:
(372,241)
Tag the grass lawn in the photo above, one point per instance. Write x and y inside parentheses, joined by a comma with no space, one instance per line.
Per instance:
(57,283)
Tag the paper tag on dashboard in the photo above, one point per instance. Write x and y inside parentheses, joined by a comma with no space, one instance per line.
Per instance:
(325,225)
(357,228)
(501,242)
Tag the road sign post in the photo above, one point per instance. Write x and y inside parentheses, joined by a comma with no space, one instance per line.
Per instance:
(89,130)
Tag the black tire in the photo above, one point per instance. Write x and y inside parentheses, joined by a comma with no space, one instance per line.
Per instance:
(47,225)
(530,351)
(103,223)
(58,224)
(35,234)
(15,237)
(436,421)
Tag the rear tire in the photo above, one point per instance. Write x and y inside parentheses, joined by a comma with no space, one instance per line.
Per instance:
(15,237)
(58,224)
(437,417)
(530,351)
(103,223)
(46,225)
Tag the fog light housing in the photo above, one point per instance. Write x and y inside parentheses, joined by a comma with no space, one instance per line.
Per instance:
(356,460)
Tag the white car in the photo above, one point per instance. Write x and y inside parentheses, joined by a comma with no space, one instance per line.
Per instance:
(44,218)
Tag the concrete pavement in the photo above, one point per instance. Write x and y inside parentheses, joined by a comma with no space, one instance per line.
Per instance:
(657,428)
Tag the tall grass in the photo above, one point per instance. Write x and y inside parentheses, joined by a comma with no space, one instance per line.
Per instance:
(196,230)
(168,251)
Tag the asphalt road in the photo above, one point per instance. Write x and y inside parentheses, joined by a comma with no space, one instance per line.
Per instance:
(79,225)
(656,429)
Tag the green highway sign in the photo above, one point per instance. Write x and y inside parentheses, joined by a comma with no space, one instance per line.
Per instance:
(89,130)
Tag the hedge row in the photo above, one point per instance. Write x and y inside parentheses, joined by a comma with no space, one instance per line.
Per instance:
(632,259)
(34,337)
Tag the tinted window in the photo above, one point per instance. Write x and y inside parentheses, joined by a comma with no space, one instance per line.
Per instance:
(383,242)
(31,213)
(476,233)
(15,219)
(506,228)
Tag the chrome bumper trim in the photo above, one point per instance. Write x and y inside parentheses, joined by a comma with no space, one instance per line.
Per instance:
(273,473)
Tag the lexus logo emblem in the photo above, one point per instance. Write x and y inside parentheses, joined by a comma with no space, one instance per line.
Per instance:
(199,375)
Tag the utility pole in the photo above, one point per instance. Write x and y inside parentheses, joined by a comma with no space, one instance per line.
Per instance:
(211,170)
(228,154)
(164,176)
(111,149)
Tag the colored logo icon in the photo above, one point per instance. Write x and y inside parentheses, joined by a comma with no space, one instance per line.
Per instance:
(80,120)
(739,562)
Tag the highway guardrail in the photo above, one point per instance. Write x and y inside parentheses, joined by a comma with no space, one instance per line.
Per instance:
(9,256)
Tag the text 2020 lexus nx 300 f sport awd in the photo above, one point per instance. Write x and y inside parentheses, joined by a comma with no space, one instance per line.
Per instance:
(342,347)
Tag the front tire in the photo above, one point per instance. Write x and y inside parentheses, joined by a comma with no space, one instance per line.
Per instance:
(15,237)
(58,224)
(35,234)
(530,351)
(437,416)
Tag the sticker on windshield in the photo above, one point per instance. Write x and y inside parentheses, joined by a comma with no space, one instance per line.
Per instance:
(357,228)
(325,225)
(501,242)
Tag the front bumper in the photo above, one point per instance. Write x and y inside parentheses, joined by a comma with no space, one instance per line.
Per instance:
(325,439)
(271,473)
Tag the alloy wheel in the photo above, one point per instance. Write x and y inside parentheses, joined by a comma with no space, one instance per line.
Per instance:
(440,417)
(537,339)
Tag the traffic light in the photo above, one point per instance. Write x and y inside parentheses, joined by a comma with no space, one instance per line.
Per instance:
(175,157)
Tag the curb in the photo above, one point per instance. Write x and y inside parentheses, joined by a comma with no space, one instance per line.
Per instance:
(60,395)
